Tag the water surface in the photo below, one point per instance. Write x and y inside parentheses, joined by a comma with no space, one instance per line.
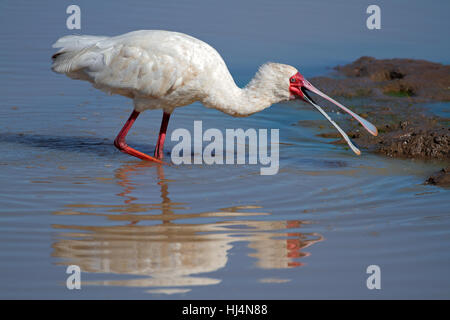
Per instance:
(139,230)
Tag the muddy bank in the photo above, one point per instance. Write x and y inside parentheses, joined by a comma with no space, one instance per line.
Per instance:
(391,93)
(418,80)
(441,178)
(418,138)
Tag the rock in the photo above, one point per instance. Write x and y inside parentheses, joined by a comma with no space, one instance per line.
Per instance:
(441,178)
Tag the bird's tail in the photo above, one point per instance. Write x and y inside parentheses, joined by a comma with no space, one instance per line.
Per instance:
(65,60)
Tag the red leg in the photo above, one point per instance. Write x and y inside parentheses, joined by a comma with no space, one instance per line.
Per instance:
(159,150)
(120,143)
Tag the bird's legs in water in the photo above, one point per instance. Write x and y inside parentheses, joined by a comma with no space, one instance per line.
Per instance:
(121,144)
(159,150)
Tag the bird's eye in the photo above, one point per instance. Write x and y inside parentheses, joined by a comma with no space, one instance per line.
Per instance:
(292,79)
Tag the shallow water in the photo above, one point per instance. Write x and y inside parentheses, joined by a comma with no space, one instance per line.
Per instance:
(139,230)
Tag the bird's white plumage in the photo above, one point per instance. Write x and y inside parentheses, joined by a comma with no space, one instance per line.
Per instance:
(165,70)
(162,69)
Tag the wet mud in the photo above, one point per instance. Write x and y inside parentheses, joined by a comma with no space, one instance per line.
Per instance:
(392,94)
(441,178)
(418,80)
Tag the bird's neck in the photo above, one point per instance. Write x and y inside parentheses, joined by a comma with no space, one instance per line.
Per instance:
(240,102)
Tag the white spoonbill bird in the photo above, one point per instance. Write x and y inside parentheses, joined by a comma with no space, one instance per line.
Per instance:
(165,70)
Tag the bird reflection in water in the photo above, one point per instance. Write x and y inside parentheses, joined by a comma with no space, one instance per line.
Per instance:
(167,255)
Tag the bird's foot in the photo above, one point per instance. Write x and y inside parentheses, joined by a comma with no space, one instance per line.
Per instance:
(123,147)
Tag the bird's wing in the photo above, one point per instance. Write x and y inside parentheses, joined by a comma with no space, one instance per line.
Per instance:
(139,63)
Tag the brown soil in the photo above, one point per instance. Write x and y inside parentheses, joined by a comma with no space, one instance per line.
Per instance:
(441,178)
(421,80)
(394,88)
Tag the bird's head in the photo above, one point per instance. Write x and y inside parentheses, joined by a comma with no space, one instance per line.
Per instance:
(286,83)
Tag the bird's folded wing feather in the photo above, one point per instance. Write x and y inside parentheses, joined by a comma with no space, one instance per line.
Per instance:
(144,66)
